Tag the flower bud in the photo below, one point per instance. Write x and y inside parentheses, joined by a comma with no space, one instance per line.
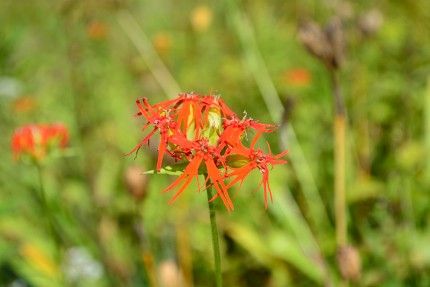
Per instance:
(213,126)
(214,118)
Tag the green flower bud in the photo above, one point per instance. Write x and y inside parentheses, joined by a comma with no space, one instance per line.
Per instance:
(213,127)
(237,160)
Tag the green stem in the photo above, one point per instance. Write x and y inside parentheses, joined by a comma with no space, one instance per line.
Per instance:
(215,239)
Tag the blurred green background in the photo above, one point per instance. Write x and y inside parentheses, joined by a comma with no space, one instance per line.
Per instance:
(84,62)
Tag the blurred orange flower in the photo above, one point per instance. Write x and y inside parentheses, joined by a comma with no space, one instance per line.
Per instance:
(36,139)
(297,77)
(201,18)
(24,104)
(162,42)
(97,30)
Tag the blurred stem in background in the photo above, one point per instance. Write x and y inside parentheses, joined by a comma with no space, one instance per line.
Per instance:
(427,128)
(143,44)
(214,231)
(327,45)
(339,161)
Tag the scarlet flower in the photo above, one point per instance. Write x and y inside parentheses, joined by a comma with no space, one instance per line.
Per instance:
(206,133)
(37,139)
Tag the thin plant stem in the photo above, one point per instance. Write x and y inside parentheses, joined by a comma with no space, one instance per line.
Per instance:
(339,127)
(339,190)
(215,239)
(339,162)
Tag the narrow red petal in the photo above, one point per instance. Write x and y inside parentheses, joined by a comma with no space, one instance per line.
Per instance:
(183,187)
(218,183)
(191,170)
(255,139)
(142,142)
(161,150)
(282,154)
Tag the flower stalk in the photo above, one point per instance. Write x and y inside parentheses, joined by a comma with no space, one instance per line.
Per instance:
(215,239)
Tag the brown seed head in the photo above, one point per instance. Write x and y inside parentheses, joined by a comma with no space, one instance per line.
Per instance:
(325,44)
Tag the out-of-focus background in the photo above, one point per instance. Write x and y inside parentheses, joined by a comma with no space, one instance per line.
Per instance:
(84,62)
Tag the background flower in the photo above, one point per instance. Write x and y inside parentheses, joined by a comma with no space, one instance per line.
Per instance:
(36,140)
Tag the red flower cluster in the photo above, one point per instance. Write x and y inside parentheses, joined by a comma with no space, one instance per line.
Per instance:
(203,129)
(36,139)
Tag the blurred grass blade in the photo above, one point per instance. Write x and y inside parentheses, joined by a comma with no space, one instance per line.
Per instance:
(141,41)
(288,214)
(316,208)
(276,245)
(255,61)
(289,249)
(251,241)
